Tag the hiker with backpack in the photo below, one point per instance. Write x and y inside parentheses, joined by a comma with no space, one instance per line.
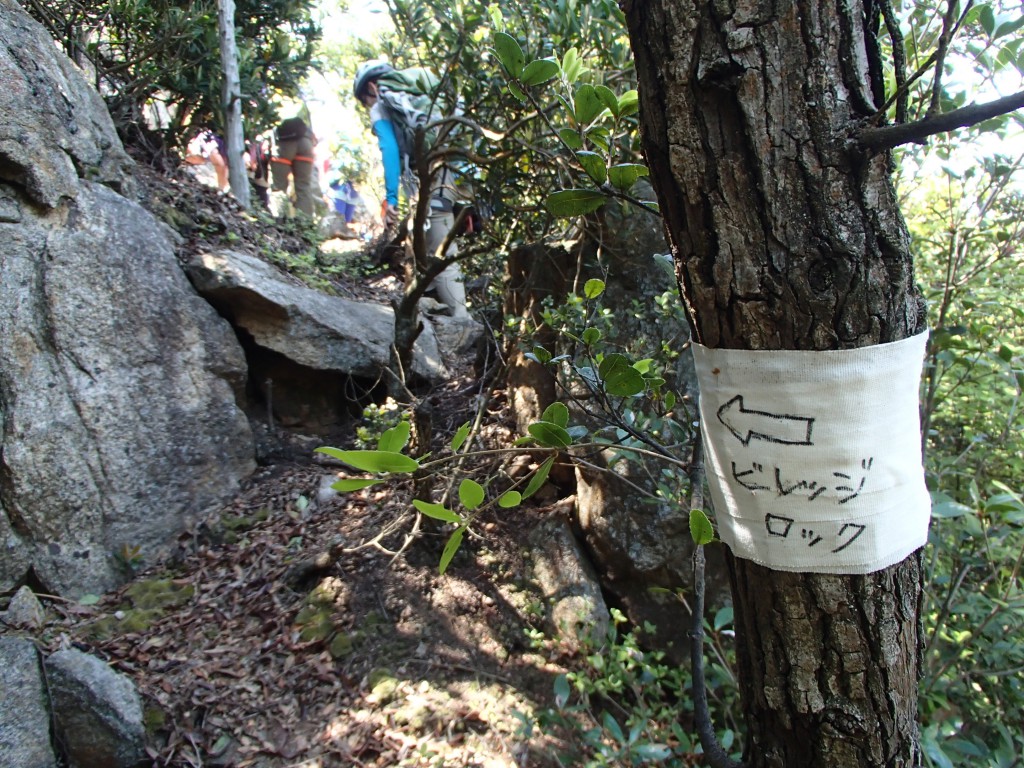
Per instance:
(400,103)
(294,158)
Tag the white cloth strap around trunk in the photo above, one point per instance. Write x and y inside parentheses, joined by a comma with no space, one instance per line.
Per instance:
(813,459)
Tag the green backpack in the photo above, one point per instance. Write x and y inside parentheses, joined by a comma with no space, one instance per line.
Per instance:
(409,95)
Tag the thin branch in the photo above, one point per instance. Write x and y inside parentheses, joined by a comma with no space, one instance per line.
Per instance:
(887,137)
(902,91)
(899,59)
(716,755)
(948,28)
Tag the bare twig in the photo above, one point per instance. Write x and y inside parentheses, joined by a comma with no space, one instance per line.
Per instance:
(716,755)
(948,28)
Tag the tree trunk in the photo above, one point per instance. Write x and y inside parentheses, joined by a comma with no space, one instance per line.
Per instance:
(234,138)
(785,239)
(534,272)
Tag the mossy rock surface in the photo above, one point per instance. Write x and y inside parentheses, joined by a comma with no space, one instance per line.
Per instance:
(341,645)
(131,621)
(160,593)
(244,522)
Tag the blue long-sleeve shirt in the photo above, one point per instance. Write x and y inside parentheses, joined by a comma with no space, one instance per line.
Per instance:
(389,153)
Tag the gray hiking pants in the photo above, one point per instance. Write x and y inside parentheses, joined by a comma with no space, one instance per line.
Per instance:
(295,158)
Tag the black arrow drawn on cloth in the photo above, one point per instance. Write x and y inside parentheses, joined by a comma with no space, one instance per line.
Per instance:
(773,427)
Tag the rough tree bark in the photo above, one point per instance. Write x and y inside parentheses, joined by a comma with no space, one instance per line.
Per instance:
(534,273)
(785,238)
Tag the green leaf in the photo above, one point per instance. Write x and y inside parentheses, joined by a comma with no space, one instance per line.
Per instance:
(517,92)
(540,354)
(436,511)
(599,137)
(593,288)
(701,529)
(612,726)
(950,508)
(540,71)
(539,478)
(577,432)
(591,336)
(571,138)
(723,618)
(497,20)
(88,599)
(670,400)
(572,67)
(396,438)
(629,103)
(373,461)
(624,175)
(549,435)
(460,437)
(1007,27)
(471,493)
(612,362)
(624,382)
(987,18)
(556,413)
(620,377)
(510,499)
(354,484)
(607,97)
(652,752)
(574,202)
(509,53)
(454,542)
(587,105)
(593,165)
(562,691)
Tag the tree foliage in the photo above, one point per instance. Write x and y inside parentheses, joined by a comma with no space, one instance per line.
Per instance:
(966,220)
(159,59)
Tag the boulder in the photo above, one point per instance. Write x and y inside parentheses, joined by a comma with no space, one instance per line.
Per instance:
(97,712)
(299,337)
(119,386)
(24,717)
(577,610)
(54,128)
(24,611)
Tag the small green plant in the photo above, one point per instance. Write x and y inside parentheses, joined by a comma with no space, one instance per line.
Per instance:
(129,559)
(632,394)
(621,705)
(378,419)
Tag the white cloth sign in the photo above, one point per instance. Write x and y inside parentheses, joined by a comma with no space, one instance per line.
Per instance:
(813,459)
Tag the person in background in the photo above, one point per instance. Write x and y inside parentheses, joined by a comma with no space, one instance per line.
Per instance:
(373,93)
(208,147)
(345,198)
(294,159)
(257,165)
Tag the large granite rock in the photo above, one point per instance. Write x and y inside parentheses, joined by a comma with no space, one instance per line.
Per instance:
(118,384)
(97,712)
(54,128)
(25,715)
